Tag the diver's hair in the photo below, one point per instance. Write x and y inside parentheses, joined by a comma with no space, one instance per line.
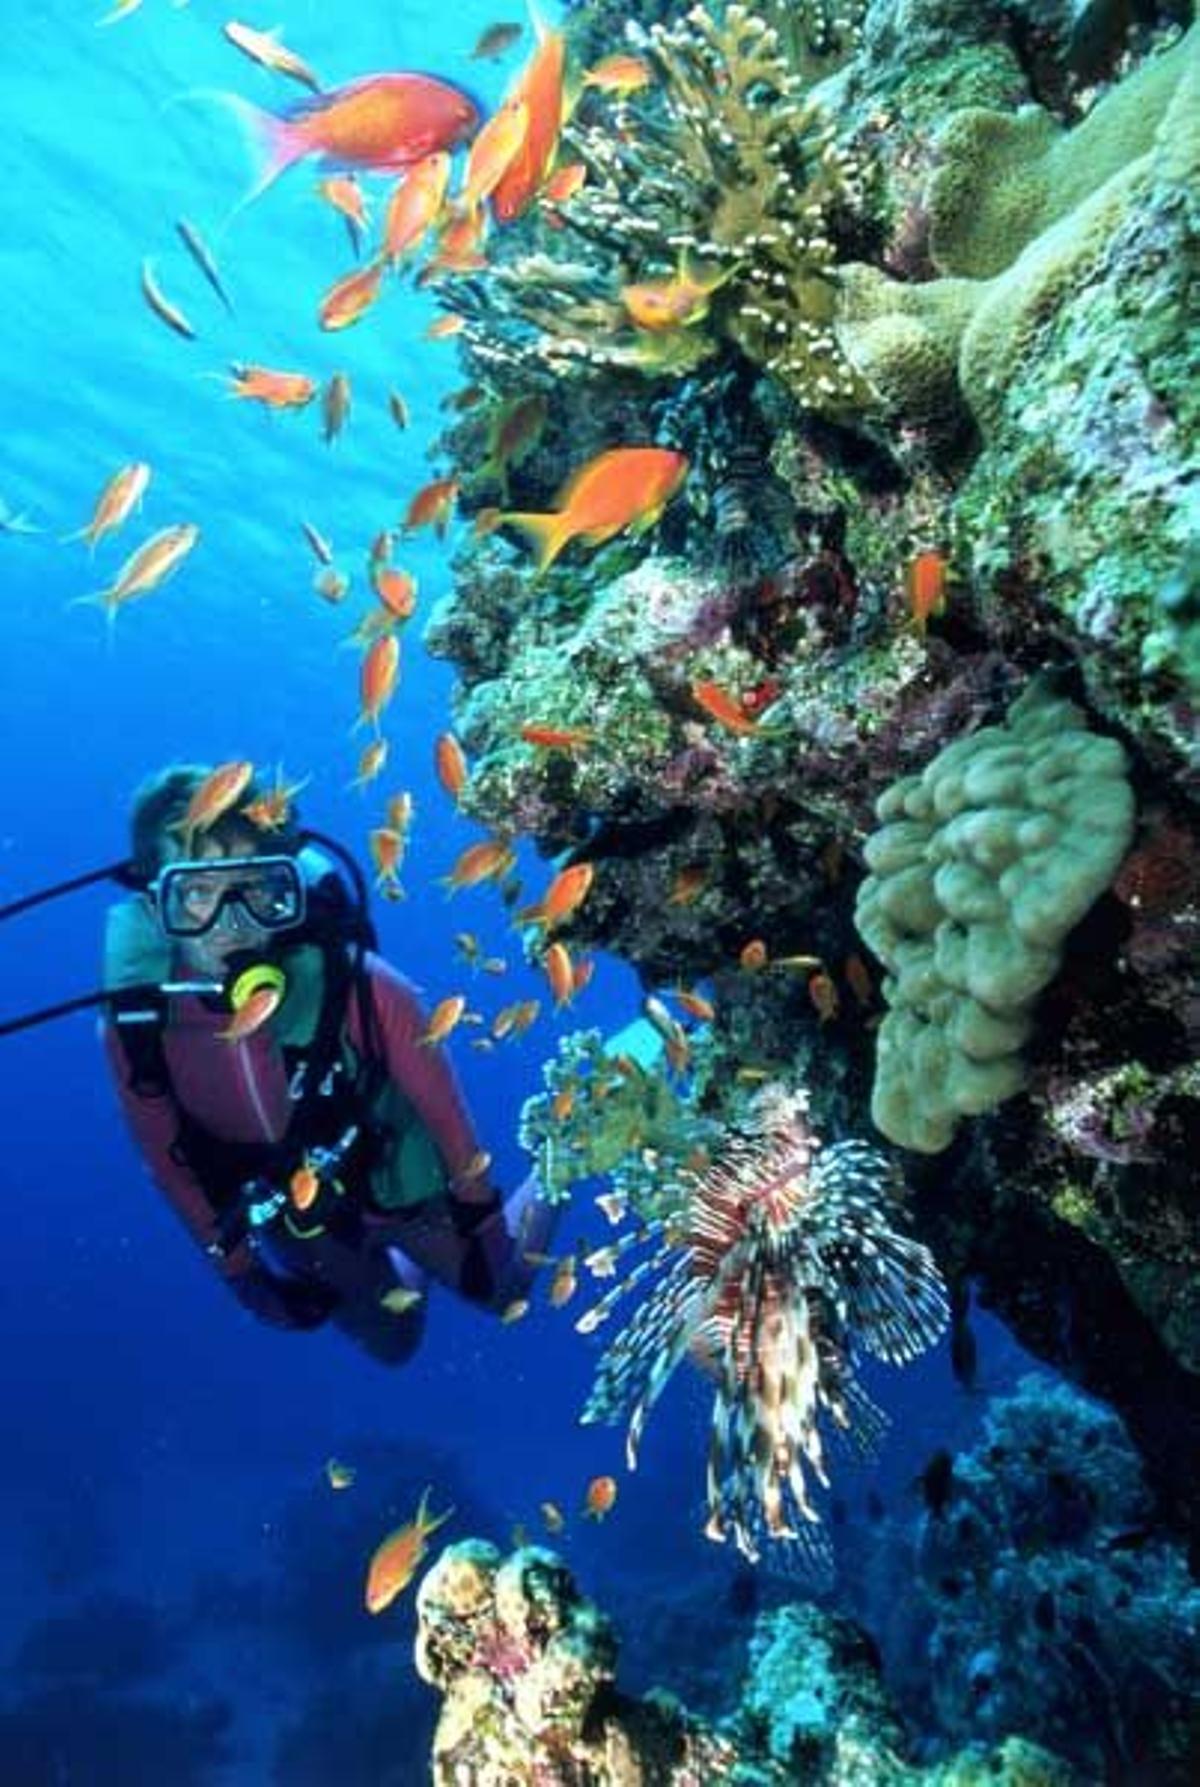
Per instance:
(161,801)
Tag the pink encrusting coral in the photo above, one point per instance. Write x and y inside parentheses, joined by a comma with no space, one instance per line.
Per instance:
(781,1261)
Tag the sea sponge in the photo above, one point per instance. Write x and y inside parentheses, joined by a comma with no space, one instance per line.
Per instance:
(982,865)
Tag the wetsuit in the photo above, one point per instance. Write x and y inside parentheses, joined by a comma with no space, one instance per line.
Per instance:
(415,1204)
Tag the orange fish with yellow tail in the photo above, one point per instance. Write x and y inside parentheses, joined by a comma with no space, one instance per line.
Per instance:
(623,488)
(540,87)
(396,1560)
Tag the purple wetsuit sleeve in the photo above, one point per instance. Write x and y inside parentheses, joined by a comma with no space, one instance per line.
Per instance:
(427,1079)
(153,1122)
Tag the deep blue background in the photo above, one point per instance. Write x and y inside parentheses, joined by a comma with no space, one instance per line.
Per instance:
(154,1438)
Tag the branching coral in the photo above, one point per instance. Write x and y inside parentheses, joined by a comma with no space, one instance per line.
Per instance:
(781,1261)
(602,1106)
(728,170)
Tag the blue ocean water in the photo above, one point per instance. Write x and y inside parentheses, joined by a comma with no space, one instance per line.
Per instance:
(180,1591)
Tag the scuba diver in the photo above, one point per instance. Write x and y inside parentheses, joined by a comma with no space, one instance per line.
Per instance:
(271,1070)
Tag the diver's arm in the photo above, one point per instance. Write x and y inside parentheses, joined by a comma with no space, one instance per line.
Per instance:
(153,1121)
(428,1081)
(473,1241)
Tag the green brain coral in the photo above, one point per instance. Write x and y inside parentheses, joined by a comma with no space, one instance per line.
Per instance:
(982,865)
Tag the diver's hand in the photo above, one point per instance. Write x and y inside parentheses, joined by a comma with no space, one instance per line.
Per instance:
(283,1302)
(475,1280)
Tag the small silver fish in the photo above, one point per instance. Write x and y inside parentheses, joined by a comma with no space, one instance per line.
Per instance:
(162,306)
(203,256)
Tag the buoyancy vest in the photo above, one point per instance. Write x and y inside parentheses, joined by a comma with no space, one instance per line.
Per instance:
(343,1100)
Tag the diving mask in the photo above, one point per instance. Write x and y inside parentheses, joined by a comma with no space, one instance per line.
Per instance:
(191,896)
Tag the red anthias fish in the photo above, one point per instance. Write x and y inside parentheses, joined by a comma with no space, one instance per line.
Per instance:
(386,122)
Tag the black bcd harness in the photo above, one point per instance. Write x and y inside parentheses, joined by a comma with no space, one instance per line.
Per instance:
(331,1128)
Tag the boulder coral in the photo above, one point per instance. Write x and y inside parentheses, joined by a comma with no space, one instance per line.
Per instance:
(982,865)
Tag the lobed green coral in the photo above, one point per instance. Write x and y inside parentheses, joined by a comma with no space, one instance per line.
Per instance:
(982,865)
(1020,213)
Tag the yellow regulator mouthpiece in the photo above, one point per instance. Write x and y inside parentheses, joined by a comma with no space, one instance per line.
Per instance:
(252,980)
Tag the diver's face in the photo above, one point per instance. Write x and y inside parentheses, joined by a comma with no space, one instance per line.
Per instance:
(206,956)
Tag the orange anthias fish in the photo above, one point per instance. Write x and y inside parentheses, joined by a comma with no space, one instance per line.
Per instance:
(723,707)
(493,151)
(673,303)
(623,487)
(432,506)
(563,898)
(487,861)
(220,790)
(444,1017)
(351,297)
(600,1497)
(620,73)
(377,683)
(144,570)
(277,390)
(444,327)
(560,973)
(925,586)
(555,738)
(565,182)
(272,809)
(460,245)
(395,1561)
(257,1010)
(381,121)
(120,497)
(386,845)
(371,762)
(397,590)
(540,86)
(348,199)
(415,205)
(450,764)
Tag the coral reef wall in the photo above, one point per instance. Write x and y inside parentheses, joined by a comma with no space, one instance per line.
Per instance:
(911,288)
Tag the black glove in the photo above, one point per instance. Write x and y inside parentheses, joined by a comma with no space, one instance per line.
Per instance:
(284,1302)
(475,1279)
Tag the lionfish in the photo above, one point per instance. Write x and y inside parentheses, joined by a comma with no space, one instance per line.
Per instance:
(780,1262)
